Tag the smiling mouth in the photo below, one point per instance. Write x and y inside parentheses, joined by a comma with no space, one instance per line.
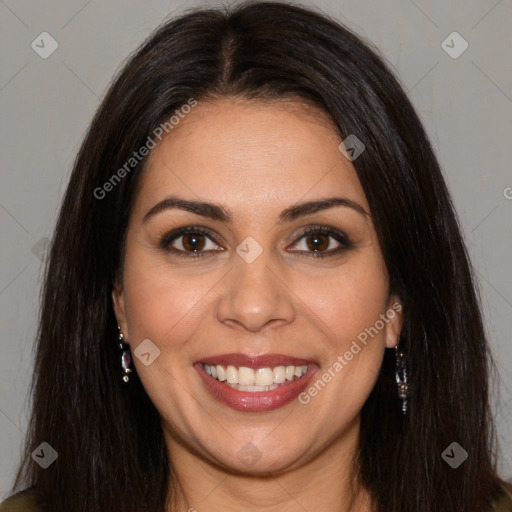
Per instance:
(243,378)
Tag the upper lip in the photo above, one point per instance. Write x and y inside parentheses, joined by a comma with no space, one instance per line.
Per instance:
(255,361)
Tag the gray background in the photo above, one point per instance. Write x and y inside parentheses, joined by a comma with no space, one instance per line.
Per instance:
(46,105)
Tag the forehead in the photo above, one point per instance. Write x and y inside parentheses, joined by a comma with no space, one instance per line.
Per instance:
(252,153)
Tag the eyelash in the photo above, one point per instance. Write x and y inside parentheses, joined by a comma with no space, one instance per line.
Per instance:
(339,236)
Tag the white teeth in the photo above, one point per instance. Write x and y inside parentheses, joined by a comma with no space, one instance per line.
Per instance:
(232,375)
(279,374)
(290,371)
(261,379)
(245,376)
(221,374)
(239,387)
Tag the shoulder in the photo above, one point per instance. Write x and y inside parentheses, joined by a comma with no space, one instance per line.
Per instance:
(504,503)
(24,501)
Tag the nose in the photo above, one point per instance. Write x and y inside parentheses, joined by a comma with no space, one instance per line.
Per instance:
(255,296)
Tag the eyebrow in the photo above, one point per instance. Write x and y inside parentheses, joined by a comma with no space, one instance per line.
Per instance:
(217,212)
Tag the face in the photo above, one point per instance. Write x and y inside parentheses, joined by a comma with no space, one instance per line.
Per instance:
(233,260)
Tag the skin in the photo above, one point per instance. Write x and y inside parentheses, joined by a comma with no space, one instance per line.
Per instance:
(256,159)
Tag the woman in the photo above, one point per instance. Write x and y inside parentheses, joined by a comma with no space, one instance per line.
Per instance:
(258,296)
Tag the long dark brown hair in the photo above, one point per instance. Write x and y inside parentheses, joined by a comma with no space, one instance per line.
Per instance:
(111,452)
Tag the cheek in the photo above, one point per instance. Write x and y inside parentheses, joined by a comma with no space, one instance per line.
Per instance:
(165,309)
(350,300)
(156,299)
(349,305)
(168,308)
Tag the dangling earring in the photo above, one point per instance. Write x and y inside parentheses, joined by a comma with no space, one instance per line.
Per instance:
(401,378)
(125,357)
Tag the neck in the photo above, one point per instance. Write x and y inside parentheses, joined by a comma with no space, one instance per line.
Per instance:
(325,482)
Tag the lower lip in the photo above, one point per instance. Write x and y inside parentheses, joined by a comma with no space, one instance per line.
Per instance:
(257,401)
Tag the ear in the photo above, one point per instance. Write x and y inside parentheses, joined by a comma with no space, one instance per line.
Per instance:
(395,321)
(119,308)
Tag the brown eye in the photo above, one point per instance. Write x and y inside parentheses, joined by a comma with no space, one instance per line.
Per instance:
(317,242)
(322,241)
(190,241)
(193,242)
